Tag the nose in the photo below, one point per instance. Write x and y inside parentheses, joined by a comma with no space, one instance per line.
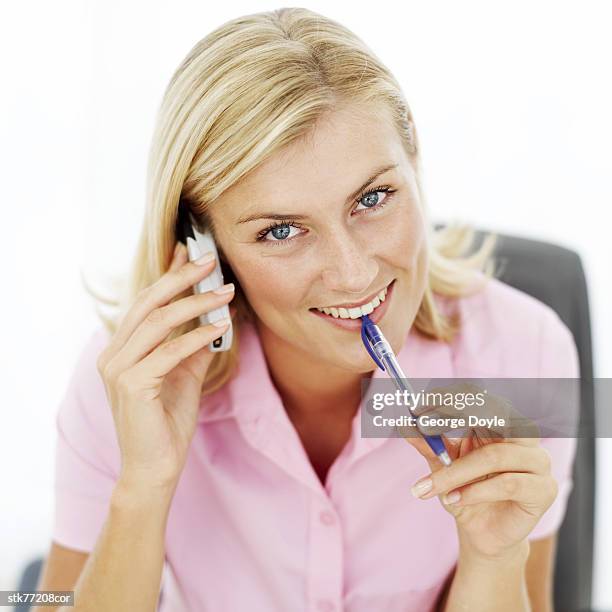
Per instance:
(348,267)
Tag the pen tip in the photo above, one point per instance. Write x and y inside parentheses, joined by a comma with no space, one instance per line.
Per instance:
(444,457)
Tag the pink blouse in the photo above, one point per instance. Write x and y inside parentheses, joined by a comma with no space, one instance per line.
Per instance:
(251,527)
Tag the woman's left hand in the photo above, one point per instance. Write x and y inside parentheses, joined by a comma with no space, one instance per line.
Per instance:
(496,488)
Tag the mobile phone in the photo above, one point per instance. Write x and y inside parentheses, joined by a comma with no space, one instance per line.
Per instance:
(198,243)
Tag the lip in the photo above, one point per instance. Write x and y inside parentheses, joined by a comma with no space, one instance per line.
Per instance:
(360,303)
(353,324)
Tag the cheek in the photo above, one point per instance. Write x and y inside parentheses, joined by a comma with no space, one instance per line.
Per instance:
(402,237)
(266,282)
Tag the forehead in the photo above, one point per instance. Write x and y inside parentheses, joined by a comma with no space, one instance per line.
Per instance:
(337,156)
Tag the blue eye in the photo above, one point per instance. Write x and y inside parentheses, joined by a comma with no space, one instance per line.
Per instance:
(372,198)
(279,232)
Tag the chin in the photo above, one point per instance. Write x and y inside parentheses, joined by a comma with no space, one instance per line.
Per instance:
(360,360)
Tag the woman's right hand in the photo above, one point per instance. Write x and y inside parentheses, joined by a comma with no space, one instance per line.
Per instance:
(154,387)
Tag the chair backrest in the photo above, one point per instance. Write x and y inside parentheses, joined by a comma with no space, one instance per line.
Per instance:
(554,275)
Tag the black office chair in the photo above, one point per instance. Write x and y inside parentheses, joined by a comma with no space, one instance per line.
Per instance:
(553,275)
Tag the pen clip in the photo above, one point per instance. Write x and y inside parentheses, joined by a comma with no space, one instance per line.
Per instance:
(367,340)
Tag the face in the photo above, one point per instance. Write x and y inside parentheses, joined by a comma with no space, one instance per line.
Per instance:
(303,232)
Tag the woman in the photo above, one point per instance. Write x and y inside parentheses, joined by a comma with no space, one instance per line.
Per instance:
(245,471)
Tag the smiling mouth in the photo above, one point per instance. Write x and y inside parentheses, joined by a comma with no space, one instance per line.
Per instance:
(356,312)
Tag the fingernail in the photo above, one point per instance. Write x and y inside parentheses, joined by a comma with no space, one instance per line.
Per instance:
(221,322)
(452,497)
(420,488)
(205,259)
(225,289)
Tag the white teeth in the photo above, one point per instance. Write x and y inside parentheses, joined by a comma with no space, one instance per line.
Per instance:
(367,308)
(358,311)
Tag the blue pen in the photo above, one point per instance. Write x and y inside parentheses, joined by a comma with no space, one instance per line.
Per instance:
(381,352)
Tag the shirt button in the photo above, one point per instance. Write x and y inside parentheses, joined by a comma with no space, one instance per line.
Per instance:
(327,518)
(325,605)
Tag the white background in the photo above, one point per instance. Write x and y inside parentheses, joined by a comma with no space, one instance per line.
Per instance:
(512,102)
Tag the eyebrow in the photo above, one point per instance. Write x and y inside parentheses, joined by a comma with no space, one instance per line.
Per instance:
(284,216)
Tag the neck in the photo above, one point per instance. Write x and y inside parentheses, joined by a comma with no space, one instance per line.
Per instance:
(310,389)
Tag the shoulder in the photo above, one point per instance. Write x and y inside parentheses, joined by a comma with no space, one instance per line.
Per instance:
(506,332)
(86,379)
(87,361)
(84,417)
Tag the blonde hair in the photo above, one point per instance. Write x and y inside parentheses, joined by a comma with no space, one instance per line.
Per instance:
(250,87)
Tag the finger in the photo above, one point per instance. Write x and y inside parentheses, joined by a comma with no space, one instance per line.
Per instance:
(531,442)
(149,372)
(456,448)
(453,445)
(158,294)
(524,488)
(179,257)
(489,459)
(161,321)
(424,449)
